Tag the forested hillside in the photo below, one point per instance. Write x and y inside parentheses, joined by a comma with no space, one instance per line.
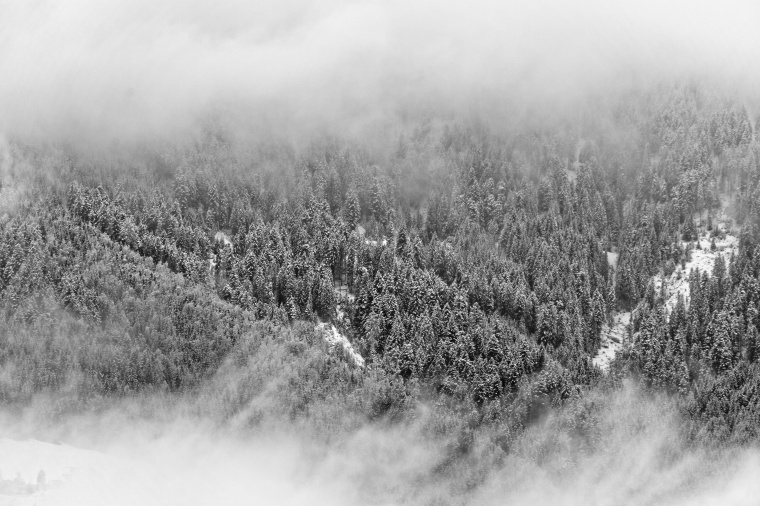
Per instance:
(468,268)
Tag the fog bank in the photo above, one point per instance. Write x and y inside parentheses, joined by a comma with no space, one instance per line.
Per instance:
(122,71)
(638,456)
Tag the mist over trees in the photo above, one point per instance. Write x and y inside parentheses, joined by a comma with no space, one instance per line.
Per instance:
(511,239)
(468,268)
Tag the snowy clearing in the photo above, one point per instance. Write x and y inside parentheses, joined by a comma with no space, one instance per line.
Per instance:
(371,242)
(702,259)
(612,336)
(335,339)
(612,260)
(612,340)
(223,238)
(333,336)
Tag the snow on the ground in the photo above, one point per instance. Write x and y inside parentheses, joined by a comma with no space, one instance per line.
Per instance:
(702,259)
(371,242)
(612,340)
(335,339)
(223,238)
(612,336)
(331,333)
(363,233)
(612,260)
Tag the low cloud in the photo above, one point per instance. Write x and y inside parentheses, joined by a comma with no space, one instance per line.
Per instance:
(134,70)
(135,453)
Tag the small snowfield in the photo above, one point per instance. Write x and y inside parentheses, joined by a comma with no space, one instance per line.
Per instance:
(612,335)
(338,341)
(702,259)
(333,336)
(612,340)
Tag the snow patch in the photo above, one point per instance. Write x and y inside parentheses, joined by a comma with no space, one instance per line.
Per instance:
(612,336)
(223,238)
(703,260)
(335,339)
(331,333)
(612,259)
(612,340)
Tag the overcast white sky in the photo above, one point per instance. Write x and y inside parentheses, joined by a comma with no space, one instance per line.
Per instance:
(127,68)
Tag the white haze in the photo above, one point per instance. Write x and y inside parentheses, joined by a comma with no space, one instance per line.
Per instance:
(119,458)
(132,70)
(127,70)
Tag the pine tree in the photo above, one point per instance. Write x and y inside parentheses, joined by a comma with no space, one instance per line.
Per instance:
(351,210)
(752,340)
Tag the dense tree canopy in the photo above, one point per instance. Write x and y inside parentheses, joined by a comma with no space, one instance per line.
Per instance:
(470,269)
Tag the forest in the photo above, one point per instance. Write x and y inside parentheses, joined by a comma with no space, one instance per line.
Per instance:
(497,277)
